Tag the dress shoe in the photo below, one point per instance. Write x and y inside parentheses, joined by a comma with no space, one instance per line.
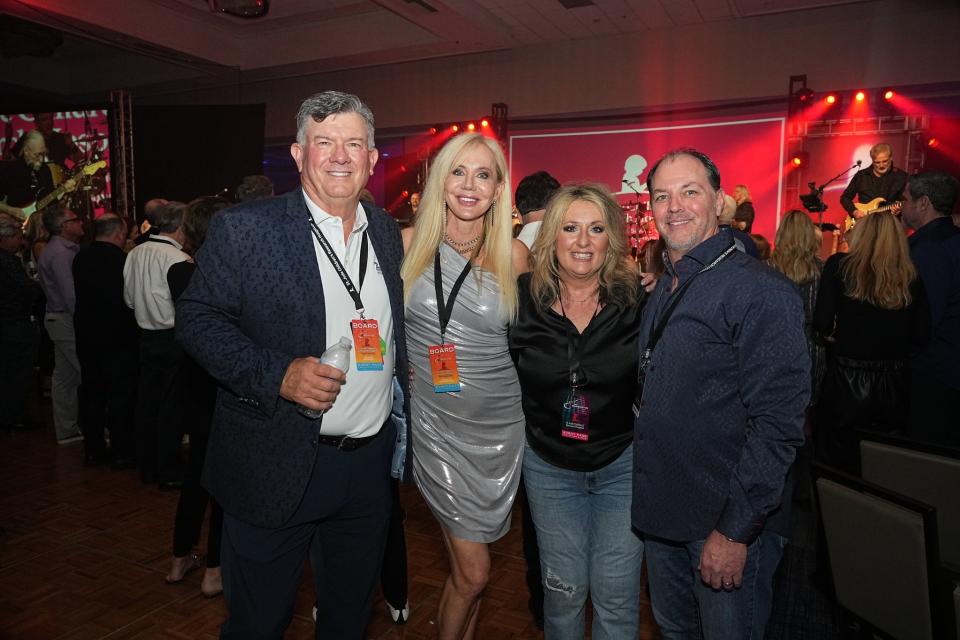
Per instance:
(400,616)
(170,485)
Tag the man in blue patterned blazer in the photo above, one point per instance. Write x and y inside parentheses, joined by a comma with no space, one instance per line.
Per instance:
(277,282)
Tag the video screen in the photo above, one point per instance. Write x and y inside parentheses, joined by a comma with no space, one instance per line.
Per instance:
(76,144)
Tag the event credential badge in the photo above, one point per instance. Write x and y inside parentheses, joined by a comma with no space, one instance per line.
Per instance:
(443,365)
(366,345)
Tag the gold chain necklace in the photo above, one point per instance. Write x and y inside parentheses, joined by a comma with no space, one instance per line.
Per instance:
(461,247)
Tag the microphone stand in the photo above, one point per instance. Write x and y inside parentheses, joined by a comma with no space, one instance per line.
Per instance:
(813,202)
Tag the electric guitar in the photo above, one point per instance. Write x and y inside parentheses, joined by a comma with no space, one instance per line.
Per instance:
(877,205)
(56,194)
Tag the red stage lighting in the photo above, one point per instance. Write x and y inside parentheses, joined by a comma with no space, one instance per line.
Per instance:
(455,128)
(860,96)
(484,123)
(432,131)
(471,127)
(799,159)
(405,193)
(831,99)
(932,142)
(888,94)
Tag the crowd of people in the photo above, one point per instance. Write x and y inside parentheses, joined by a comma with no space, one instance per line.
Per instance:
(650,415)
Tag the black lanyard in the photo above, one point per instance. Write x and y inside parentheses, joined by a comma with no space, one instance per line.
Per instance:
(575,354)
(338,266)
(678,295)
(445,309)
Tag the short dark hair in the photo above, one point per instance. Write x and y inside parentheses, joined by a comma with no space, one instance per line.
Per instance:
(169,217)
(939,186)
(53,219)
(107,225)
(253,188)
(534,190)
(197,217)
(713,174)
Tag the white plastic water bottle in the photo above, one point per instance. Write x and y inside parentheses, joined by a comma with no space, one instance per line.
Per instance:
(338,357)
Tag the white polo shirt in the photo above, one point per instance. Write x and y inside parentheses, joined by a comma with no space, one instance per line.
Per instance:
(365,400)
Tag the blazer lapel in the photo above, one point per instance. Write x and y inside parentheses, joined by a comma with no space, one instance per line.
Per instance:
(303,262)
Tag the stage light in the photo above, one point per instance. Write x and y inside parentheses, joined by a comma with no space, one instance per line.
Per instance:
(405,193)
(860,96)
(484,123)
(888,94)
(455,128)
(932,142)
(799,159)
(471,127)
(432,131)
(830,99)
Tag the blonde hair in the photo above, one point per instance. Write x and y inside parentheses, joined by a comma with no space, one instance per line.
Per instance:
(795,249)
(497,237)
(729,209)
(878,269)
(617,280)
(741,193)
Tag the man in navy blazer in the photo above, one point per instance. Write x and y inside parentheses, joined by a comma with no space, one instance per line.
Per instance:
(277,282)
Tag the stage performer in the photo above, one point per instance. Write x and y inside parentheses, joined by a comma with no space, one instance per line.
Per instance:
(27,179)
(880,180)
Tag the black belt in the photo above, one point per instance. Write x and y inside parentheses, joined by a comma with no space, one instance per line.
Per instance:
(346,443)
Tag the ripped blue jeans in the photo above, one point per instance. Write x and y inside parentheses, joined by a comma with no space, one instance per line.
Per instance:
(586,547)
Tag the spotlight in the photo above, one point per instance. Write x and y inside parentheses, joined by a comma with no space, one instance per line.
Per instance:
(888,94)
(484,123)
(471,127)
(432,131)
(860,96)
(405,193)
(932,142)
(804,95)
(455,128)
(799,159)
(831,98)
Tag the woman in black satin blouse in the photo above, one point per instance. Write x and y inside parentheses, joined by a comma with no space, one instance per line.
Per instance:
(575,347)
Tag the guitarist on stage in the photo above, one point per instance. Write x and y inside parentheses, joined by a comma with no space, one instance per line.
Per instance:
(28,178)
(880,180)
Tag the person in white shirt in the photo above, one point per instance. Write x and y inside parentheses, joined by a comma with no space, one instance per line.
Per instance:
(145,290)
(531,198)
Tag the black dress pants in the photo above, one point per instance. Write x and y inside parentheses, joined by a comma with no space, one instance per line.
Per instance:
(341,524)
(393,574)
(108,394)
(19,339)
(159,427)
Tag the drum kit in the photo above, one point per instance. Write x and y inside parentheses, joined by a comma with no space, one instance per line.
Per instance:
(640,225)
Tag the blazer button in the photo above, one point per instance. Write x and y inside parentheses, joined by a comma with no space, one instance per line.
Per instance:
(314,442)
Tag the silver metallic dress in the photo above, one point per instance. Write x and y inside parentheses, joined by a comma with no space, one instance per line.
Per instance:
(467,446)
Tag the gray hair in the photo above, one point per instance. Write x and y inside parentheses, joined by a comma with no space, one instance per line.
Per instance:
(169,217)
(326,103)
(108,224)
(53,219)
(9,227)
